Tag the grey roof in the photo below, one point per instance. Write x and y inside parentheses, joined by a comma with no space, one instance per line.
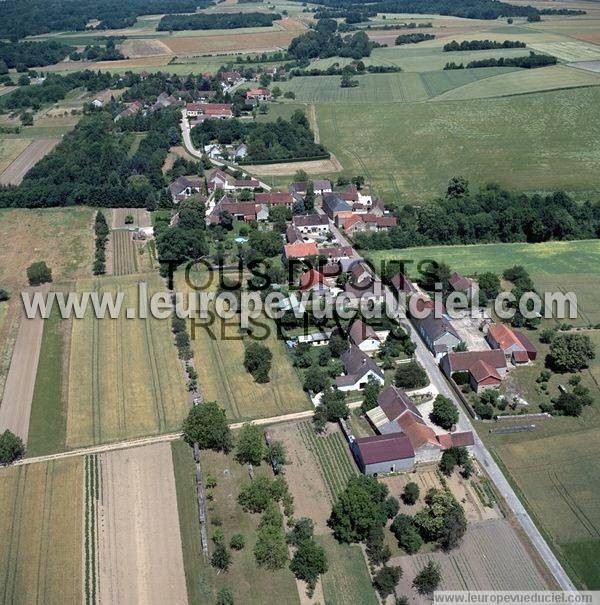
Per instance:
(333,203)
(293,235)
(360,331)
(323,184)
(436,327)
(357,364)
(182,183)
(310,220)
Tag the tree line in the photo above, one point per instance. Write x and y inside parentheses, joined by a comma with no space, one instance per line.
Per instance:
(412,38)
(490,215)
(526,62)
(216,21)
(20,18)
(455,46)
(22,55)
(279,140)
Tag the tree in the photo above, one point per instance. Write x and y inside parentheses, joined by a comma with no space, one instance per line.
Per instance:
(377,550)
(225,597)
(428,579)
(334,402)
(206,424)
(255,497)
(358,509)
(275,455)
(221,557)
(411,492)
(442,510)
(571,352)
(11,447)
(457,187)
(337,345)
(302,529)
(406,533)
(309,198)
(39,273)
(315,379)
(257,361)
(320,419)
(370,395)
(410,376)
(489,286)
(445,413)
(309,562)
(392,506)
(386,579)
(251,447)
(270,550)
(4,295)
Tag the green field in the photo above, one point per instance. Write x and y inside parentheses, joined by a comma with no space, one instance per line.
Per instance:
(41,531)
(409,151)
(347,579)
(554,266)
(331,452)
(250,584)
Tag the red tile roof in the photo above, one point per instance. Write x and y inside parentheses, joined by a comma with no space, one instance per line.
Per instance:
(418,433)
(520,356)
(301,250)
(311,278)
(481,371)
(274,198)
(385,448)
(504,336)
(464,361)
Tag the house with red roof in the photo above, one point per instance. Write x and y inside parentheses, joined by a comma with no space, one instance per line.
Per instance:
(486,369)
(259,94)
(313,280)
(300,250)
(368,222)
(501,336)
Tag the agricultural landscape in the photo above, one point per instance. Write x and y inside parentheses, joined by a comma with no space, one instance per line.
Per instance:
(162,151)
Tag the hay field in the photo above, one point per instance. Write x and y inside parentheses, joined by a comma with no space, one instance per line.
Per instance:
(41,519)
(542,141)
(124,376)
(569,51)
(63,237)
(10,150)
(27,159)
(520,82)
(219,354)
(135,48)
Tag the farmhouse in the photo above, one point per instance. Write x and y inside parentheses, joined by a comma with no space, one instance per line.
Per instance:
(322,186)
(275,198)
(98,103)
(246,184)
(230,77)
(300,250)
(437,332)
(368,288)
(486,369)
(130,110)
(500,336)
(240,152)
(368,222)
(313,280)
(359,272)
(337,253)
(359,367)
(460,283)
(396,413)
(209,110)
(336,208)
(241,211)
(220,180)
(298,188)
(311,223)
(184,187)
(364,337)
(382,454)
(259,94)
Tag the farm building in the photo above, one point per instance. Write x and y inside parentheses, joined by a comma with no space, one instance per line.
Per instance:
(358,368)
(368,222)
(382,454)
(486,369)
(500,336)
(322,186)
(300,250)
(313,281)
(436,329)
(312,223)
(275,198)
(336,208)
(258,94)
(184,187)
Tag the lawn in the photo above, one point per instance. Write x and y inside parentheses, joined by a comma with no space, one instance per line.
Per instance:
(41,532)
(250,584)
(219,353)
(347,580)
(124,376)
(553,470)
(554,266)
(409,151)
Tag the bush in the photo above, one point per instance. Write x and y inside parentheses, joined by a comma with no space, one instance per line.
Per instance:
(237,542)
(11,447)
(411,376)
(39,273)
(411,492)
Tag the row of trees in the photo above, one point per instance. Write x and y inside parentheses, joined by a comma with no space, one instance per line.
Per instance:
(490,215)
(413,38)
(101,231)
(526,62)
(216,21)
(455,46)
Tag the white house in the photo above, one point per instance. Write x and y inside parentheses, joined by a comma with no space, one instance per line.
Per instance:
(364,337)
(359,368)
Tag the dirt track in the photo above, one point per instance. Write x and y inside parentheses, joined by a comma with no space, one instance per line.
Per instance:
(140,554)
(32,154)
(20,382)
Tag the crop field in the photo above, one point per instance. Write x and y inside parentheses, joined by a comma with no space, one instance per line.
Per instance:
(542,141)
(124,253)
(521,82)
(63,237)
(10,149)
(248,582)
(28,158)
(569,51)
(41,521)
(141,218)
(124,376)
(347,579)
(491,557)
(222,376)
(333,455)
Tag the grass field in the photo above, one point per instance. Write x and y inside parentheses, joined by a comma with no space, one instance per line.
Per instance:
(9,150)
(533,142)
(124,376)
(332,453)
(41,533)
(554,266)
(249,584)
(219,353)
(347,579)
(63,237)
